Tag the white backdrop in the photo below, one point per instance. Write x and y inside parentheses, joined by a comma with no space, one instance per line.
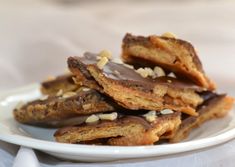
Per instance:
(37,36)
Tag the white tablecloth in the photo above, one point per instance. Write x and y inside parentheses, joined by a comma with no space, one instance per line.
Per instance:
(37,36)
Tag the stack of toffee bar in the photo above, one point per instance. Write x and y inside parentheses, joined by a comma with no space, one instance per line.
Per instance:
(158,92)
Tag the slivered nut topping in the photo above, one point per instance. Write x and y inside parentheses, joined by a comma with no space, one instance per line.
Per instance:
(44,97)
(116,72)
(112,116)
(102,62)
(68,94)
(86,89)
(158,71)
(148,72)
(150,116)
(171,75)
(92,119)
(169,35)
(128,66)
(169,81)
(166,111)
(105,53)
(144,73)
(19,105)
(86,106)
(59,93)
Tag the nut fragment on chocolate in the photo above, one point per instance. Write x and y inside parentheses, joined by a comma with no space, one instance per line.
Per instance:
(169,35)
(92,119)
(145,72)
(166,111)
(102,62)
(171,75)
(153,73)
(86,89)
(105,53)
(158,72)
(108,116)
(150,116)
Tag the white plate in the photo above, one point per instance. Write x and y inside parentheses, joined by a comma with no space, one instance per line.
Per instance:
(210,134)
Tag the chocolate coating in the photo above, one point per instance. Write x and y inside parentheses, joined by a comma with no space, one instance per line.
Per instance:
(118,71)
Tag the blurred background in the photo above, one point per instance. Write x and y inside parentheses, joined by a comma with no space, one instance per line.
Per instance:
(36,36)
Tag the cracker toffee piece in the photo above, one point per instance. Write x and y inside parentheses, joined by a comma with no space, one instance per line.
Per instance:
(63,109)
(64,83)
(125,131)
(215,106)
(173,54)
(132,91)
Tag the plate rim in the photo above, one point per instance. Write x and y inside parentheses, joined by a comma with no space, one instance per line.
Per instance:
(127,151)
(116,150)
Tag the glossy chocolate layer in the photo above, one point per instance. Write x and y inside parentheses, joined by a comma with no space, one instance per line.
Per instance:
(121,72)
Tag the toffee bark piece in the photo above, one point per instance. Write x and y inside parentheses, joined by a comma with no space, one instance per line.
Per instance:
(171,54)
(215,107)
(58,108)
(134,92)
(82,76)
(125,131)
(64,82)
